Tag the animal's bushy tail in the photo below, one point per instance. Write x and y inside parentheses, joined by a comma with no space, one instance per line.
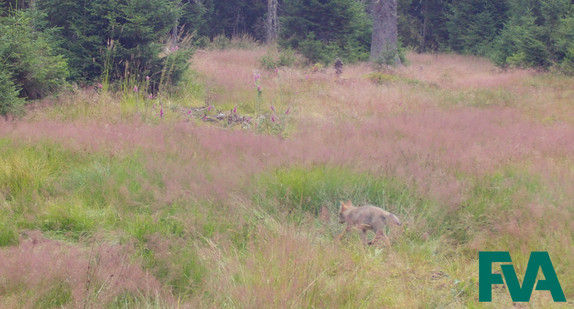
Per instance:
(396,219)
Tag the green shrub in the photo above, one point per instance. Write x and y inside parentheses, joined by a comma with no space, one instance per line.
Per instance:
(565,45)
(29,67)
(537,35)
(521,44)
(220,42)
(173,67)
(567,65)
(268,62)
(388,57)
(324,31)
(284,58)
(118,39)
(10,102)
(287,57)
(316,51)
(474,25)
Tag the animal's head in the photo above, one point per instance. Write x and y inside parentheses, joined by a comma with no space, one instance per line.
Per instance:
(344,206)
(396,219)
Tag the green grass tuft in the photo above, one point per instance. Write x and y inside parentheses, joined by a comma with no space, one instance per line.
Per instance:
(8,233)
(309,189)
(58,296)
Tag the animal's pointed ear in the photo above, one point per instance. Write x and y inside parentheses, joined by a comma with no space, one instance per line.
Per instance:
(343,206)
(349,203)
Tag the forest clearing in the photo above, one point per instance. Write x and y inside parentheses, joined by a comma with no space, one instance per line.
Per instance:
(127,199)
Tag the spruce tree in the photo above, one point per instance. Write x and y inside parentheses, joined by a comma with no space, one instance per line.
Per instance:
(537,34)
(473,25)
(324,30)
(112,38)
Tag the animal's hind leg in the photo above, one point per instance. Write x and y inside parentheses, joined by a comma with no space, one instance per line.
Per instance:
(381,234)
(364,237)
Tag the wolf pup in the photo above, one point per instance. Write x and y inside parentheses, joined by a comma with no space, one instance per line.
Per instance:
(366,218)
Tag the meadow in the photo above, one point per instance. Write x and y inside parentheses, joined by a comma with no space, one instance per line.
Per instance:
(225,193)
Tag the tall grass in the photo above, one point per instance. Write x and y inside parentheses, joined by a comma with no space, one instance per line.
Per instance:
(104,201)
(310,189)
(133,102)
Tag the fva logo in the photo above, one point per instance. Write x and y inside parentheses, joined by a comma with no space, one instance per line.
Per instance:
(538,260)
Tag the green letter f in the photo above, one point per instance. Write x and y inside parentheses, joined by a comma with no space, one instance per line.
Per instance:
(485,276)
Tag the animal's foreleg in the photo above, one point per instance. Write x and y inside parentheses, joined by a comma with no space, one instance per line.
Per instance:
(340,236)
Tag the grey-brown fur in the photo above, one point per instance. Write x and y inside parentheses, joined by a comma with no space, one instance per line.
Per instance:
(364,218)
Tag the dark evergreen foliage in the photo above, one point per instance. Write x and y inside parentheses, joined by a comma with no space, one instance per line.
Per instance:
(113,39)
(211,18)
(514,33)
(422,24)
(474,25)
(324,30)
(29,67)
(133,39)
(538,34)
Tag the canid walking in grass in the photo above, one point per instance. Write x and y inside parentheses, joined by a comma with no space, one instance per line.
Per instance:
(365,218)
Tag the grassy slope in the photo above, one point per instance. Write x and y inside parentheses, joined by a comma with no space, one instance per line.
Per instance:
(106,203)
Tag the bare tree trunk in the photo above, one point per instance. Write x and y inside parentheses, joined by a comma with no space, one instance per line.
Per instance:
(384,42)
(425,22)
(272,21)
(174,29)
